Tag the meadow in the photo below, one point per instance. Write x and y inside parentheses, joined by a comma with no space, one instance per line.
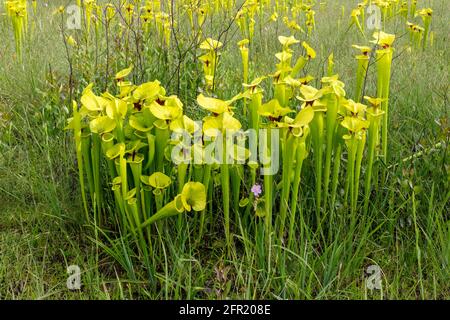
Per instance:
(88,175)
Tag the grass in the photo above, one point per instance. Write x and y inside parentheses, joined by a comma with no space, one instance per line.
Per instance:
(407,233)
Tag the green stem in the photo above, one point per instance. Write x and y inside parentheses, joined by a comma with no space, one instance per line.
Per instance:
(359,155)
(107,143)
(255,103)
(384,59)
(253,167)
(317,140)
(301,154)
(162,136)
(288,161)
(95,153)
(299,65)
(427,22)
(151,152)
(268,185)
(133,208)
(349,184)
(85,150)
(123,171)
(280,93)
(336,169)
(225,179)
(206,183)
(361,71)
(135,162)
(332,109)
(198,172)
(182,170)
(173,208)
(120,204)
(78,148)
(373,142)
(236,174)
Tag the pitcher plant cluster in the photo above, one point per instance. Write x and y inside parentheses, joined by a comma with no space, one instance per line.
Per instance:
(17,11)
(139,149)
(160,20)
(420,34)
(256,154)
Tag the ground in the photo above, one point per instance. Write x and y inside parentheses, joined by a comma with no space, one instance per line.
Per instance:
(41,234)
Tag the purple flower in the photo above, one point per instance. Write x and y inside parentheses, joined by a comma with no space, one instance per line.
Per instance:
(256,190)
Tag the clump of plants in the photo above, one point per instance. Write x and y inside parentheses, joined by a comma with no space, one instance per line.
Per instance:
(18,14)
(142,160)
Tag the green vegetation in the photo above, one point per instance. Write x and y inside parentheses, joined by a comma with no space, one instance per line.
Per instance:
(342,201)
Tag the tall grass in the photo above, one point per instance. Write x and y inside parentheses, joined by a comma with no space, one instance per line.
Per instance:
(405,229)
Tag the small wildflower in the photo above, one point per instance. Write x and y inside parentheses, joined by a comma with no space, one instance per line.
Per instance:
(256,190)
(71,41)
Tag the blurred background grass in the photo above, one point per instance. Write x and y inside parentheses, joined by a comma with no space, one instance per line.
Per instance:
(39,193)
